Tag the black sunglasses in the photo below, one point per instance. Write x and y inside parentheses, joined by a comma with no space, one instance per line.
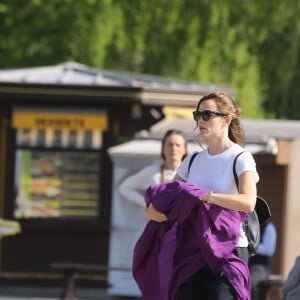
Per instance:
(206,114)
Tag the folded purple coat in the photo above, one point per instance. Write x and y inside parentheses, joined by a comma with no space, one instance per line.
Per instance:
(196,234)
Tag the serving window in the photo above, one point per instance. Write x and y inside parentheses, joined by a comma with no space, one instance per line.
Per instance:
(58,169)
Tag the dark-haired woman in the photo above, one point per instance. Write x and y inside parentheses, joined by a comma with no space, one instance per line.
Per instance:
(173,151)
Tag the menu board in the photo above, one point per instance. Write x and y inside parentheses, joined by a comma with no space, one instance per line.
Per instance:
(56,184)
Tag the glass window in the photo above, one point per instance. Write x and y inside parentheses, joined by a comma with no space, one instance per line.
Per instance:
(56,183)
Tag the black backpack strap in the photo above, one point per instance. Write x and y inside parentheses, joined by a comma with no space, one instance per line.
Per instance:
(261,207)
(191,161)
(234,169)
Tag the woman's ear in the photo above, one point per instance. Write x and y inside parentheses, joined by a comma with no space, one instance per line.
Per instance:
(228,120)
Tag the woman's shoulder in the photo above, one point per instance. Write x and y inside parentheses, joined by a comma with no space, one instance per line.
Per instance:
(193,155)
(141,175)
(151,168)
(238,150)
(243,160)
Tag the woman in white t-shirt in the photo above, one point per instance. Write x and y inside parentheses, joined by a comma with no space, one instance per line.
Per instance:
(221,137)
(173,151)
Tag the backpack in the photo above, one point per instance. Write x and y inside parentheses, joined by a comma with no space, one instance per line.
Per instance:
(261,213)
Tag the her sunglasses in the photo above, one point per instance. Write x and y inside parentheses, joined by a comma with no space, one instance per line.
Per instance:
(206,114)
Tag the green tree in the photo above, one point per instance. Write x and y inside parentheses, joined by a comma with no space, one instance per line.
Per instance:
(251,46)
(274,39)
(40,32)
(194,40)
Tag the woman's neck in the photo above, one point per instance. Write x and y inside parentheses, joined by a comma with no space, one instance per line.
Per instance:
(171,165)
(217,148)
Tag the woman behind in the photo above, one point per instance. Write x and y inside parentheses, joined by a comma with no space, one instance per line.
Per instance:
(217,117)
(173,151)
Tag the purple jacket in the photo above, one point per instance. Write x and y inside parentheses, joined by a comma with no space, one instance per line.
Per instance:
(196,234)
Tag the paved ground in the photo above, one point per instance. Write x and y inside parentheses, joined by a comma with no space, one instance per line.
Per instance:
(53,293)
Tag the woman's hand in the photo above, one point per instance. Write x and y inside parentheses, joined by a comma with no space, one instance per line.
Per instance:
(207,197)
(153,215)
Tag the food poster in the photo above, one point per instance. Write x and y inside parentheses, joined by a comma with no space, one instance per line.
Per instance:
(56,184)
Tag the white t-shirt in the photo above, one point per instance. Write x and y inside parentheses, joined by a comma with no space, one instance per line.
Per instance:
(215,172)
(134,187)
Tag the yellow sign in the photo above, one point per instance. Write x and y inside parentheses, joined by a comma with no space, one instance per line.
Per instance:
(59,121)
